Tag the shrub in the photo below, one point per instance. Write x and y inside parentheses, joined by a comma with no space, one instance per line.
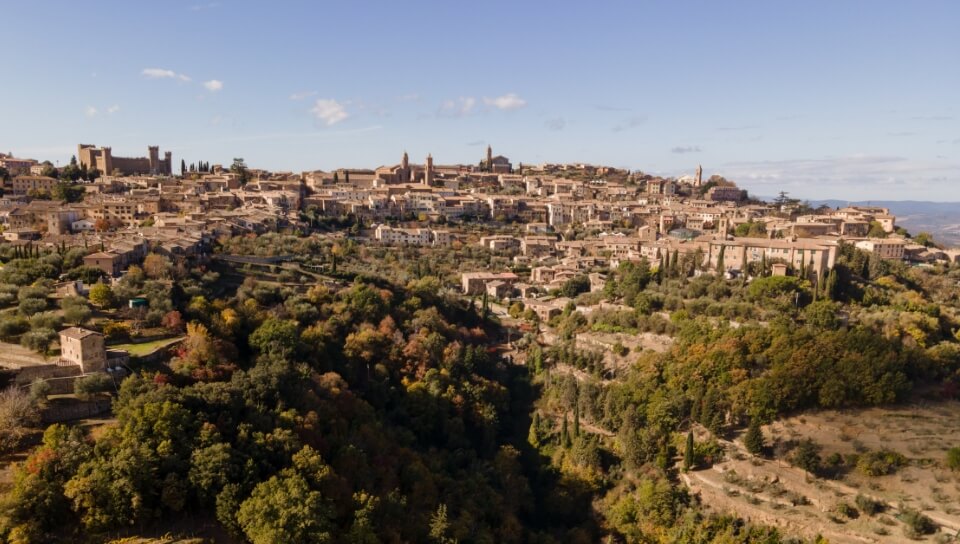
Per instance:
(880,463)
(915,524)
(13,326)
(116,330)
(807,456)
(38,340)
(17,410)
(39,390)
(846,510)
(86,386)
(868,506)
(953,458)
(31,306)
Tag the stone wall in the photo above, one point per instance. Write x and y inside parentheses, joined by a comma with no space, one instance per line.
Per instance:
(70,411)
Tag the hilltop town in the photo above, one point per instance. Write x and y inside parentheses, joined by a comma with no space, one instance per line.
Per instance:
(638,346)
(556,219)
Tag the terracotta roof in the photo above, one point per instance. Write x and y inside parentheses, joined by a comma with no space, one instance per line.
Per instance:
(77,333)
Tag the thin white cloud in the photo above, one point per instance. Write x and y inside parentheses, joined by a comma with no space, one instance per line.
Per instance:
(737,128)
(686,149)
(302,95)
(329,111)
(411,97)
(457,108)
(632,122)
(213,85)
(555,124)
(90,111)
(844,177)
(163,73)
(509,101)
(113,109)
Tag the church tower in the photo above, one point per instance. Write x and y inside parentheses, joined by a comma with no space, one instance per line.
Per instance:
(404,169)
(428,177)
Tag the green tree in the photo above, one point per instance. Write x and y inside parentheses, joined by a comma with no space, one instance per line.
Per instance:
(753,439)
(574,286)
(285,509)
(688,453)
(822,314)
(275,336)
(87,386)
(576,418)
(240,169)
(439,526)
(533,437)
(39,340)
(720,264)
(564,434)
(75,310)
(807,456)
(102,295)
(830,289)
(924,239)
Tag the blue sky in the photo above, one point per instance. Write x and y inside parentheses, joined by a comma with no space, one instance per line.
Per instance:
(850,100)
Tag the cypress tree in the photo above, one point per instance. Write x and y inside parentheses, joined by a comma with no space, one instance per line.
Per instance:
(720,267)
(564,435)
(830,286)
(534,436)
(753,439)
(688,453)
(675,263)
(576,418)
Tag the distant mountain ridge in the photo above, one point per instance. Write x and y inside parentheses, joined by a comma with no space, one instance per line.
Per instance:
(941,219)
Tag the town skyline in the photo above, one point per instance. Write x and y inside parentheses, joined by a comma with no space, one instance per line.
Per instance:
(743,90)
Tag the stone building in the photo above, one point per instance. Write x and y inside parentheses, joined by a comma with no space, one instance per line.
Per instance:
(102,159)
(22,185)
(84,348)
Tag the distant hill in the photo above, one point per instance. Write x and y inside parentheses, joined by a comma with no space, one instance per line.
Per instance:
(941,219)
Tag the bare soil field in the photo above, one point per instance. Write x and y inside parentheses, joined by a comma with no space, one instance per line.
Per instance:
(17,356)
(776,493)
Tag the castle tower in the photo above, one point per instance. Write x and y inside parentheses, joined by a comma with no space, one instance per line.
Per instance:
(153,156)
(168,163)
(699,179)
(428,179)
(106,162)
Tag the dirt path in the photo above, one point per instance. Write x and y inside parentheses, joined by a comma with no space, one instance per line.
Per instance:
(775,493)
